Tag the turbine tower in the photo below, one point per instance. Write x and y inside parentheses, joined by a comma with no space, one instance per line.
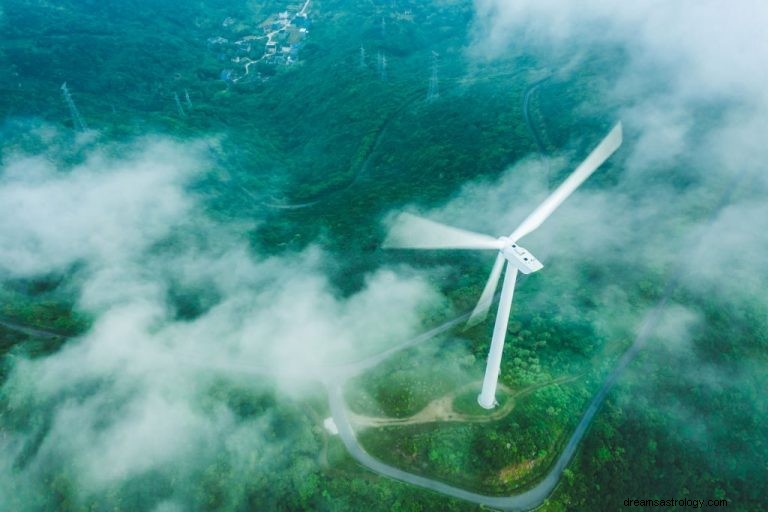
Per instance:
(77,119)
(413,232)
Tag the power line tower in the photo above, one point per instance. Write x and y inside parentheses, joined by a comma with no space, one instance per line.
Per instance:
(187,98)
(362,57)
(382,66)
(179,108)
(77,119)
(383,27)
(434,84)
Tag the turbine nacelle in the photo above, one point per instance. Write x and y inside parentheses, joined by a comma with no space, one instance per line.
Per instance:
(519,256)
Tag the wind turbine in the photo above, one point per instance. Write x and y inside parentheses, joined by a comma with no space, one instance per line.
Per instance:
(412,232)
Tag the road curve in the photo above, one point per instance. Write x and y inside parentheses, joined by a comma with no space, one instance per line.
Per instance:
(30,331)
(384,127)
(534,496)
(527,500)
(361,169)
(527,115)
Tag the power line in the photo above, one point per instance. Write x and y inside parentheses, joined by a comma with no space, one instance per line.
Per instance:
(179,108)
(77,119)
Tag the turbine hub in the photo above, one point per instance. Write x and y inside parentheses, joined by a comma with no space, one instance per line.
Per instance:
(520,257)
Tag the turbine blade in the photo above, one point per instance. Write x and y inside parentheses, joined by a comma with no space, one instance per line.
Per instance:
(413,232)
(481,309)
(600,154)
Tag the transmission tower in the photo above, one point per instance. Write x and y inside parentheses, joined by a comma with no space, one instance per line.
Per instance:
(187,98)
(77,119)
(179,108)
(382,66)
(362,57)
(434,85)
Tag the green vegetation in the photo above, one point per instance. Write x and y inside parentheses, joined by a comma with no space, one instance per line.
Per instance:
(40,304)
(466,402)
(500,457)
(404,385)
(679,439)
(320,152)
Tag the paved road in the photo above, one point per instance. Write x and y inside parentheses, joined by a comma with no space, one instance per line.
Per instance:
(527,116)
(30,331)
(336,376)
(383,128)
(361,169)
(527,500)
(535,496)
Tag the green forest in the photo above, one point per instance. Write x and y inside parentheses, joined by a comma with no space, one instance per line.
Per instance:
(317,155)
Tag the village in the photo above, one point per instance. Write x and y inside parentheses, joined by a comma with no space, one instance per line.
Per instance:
(281,38)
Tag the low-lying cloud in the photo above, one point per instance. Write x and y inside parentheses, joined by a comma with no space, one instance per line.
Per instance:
(126,398)
(689,83)
(691,91)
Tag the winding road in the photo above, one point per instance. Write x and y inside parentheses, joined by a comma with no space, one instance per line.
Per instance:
(336,376)
(529,499)
(382,130)
(30,331)
(527,114)
(535,496)
(361,169)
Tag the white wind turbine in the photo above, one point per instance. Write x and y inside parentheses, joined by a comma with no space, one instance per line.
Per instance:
(413,232)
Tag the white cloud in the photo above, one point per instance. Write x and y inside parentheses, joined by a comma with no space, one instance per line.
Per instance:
(691,87)
(717,47)
(125,397)
(102,211)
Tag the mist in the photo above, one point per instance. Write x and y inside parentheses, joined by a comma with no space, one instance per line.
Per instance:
(691,90)
(692,95)
(680,202)
(182,314)
(131,396)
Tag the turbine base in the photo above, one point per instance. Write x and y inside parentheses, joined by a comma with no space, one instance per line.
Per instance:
(486,404)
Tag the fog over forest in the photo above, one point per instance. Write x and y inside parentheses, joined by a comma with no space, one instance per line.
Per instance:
(179,304)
